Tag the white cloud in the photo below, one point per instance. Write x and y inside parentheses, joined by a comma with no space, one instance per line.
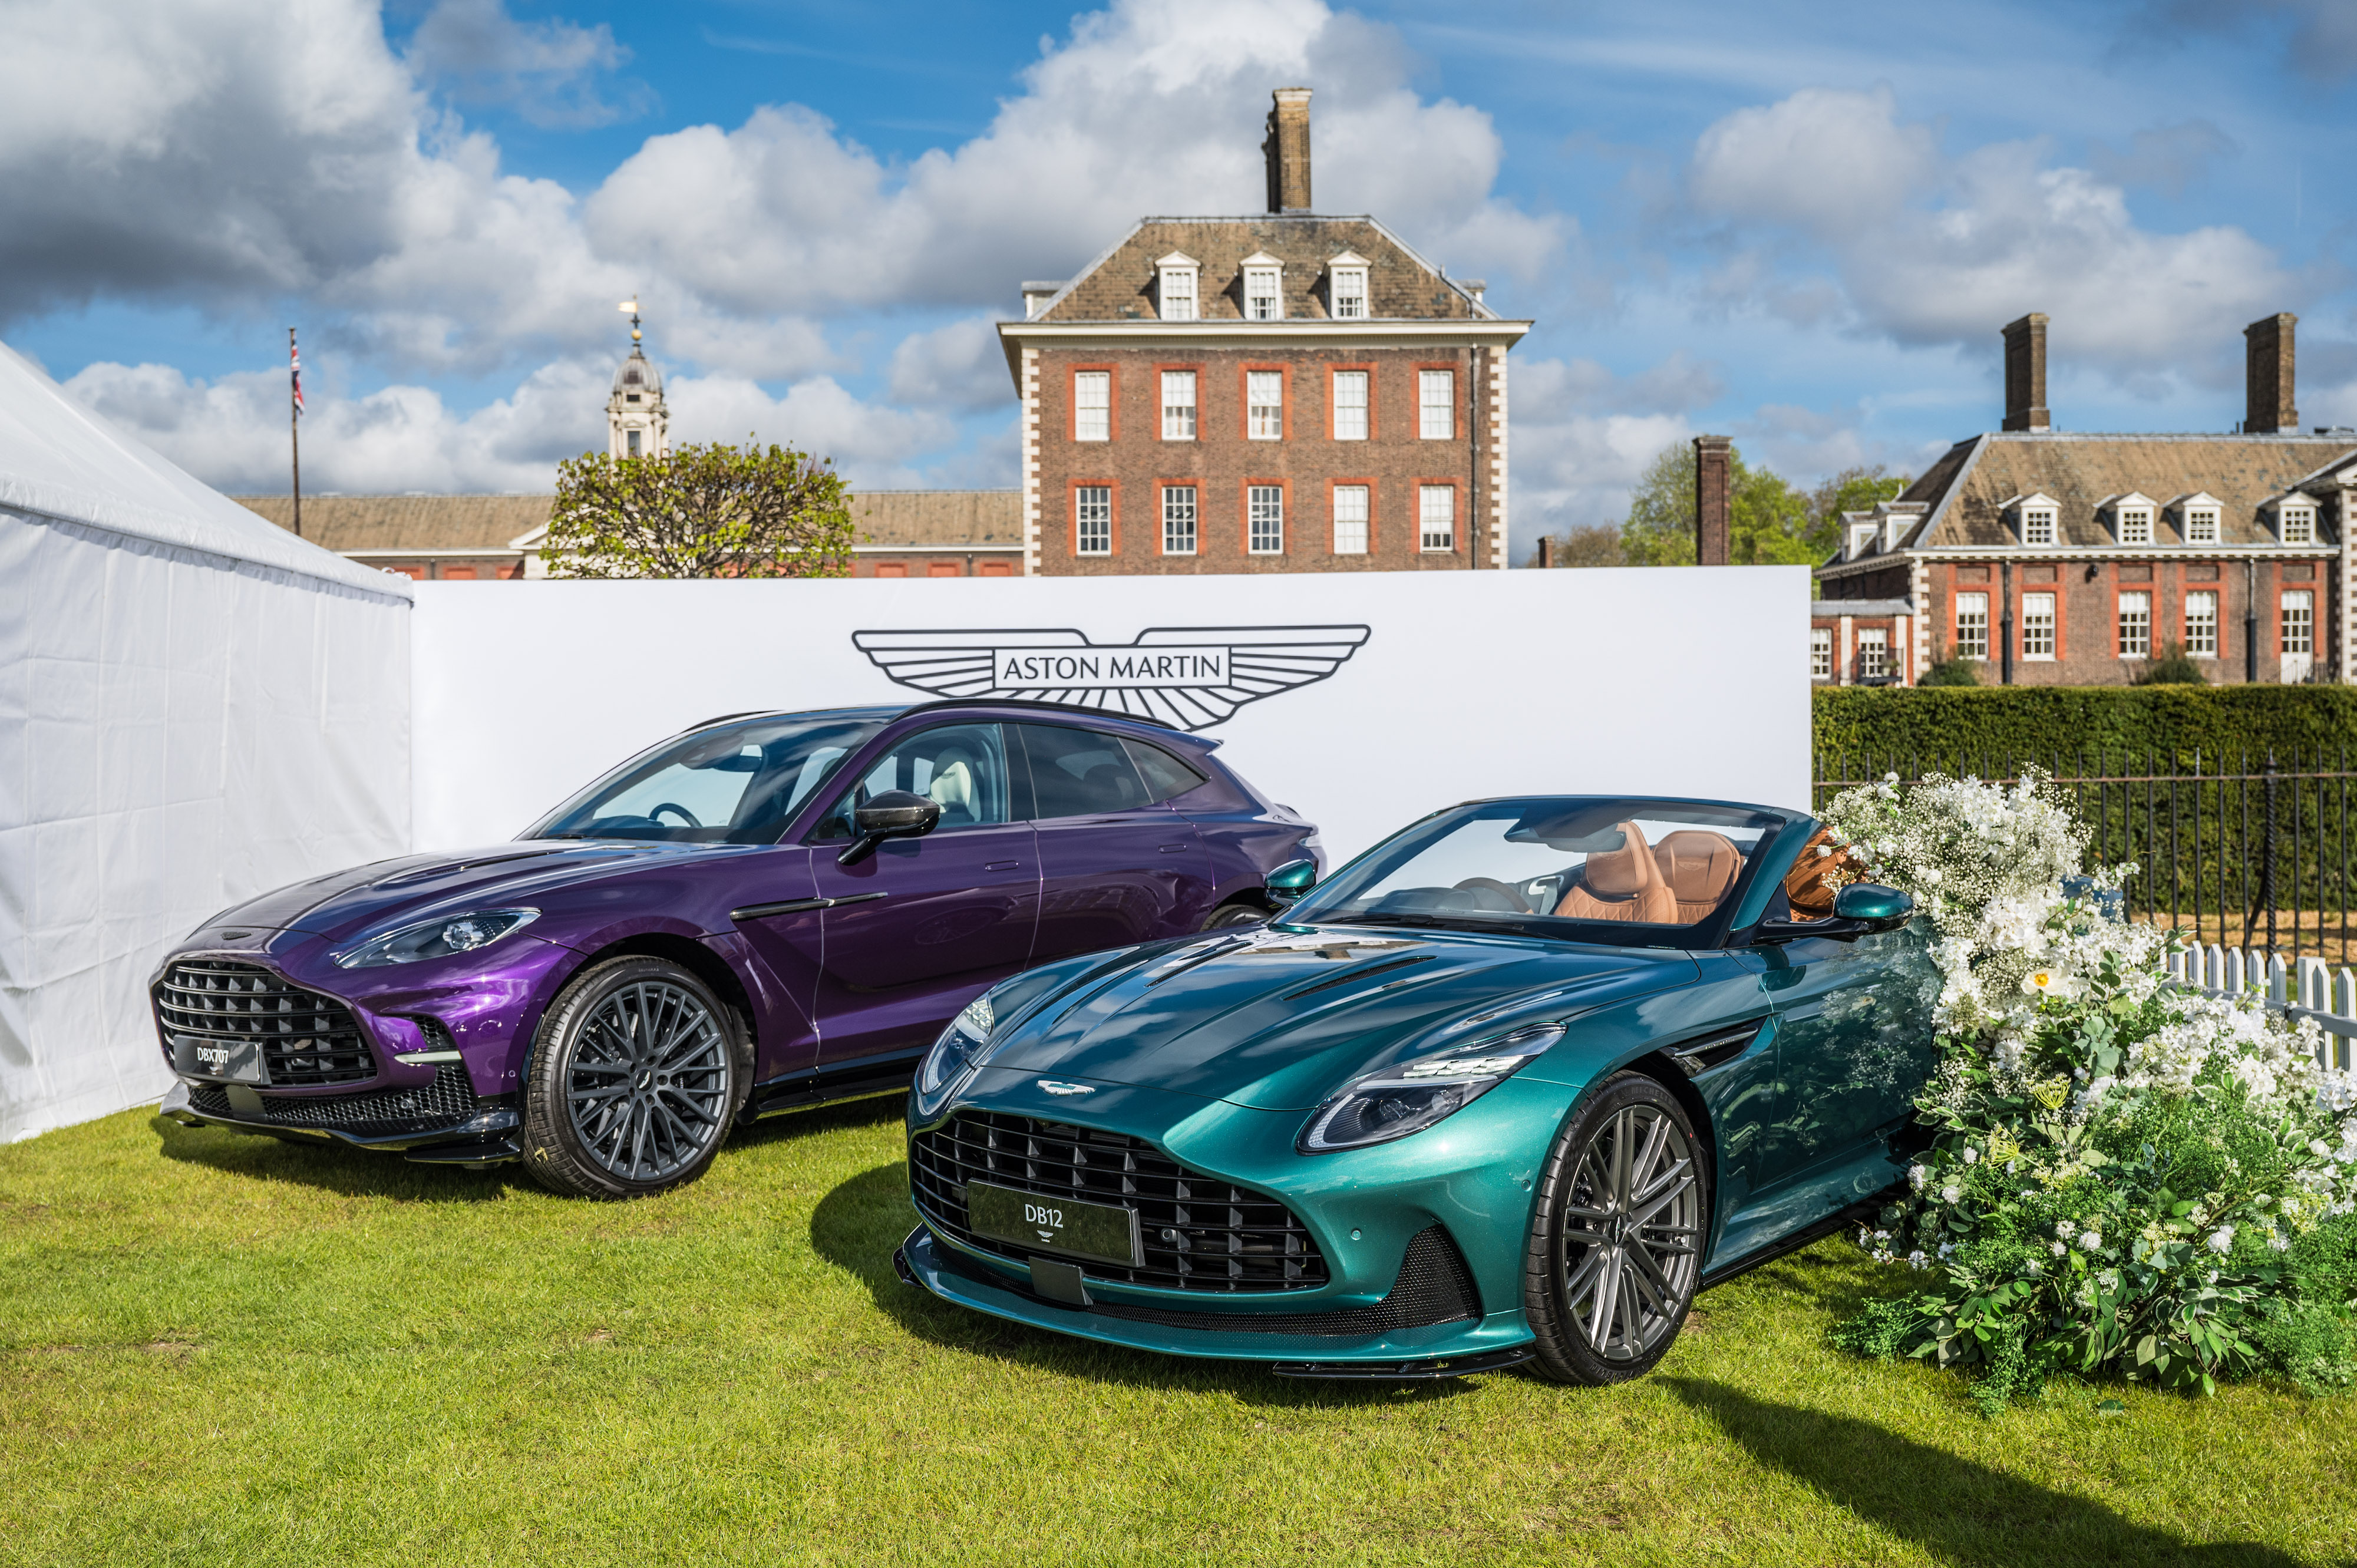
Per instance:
(1930,249)
(1583,435)
(960,366)
(547,71)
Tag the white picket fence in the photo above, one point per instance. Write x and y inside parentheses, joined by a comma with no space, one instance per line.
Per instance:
(2309,989)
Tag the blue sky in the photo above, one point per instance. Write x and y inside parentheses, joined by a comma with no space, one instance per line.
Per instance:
(1802,224)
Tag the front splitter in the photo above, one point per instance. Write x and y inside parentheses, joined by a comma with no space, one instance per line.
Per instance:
(490,1138)
(1442,1351)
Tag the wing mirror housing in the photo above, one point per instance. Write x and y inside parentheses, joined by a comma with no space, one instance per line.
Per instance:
(894,815)
(1291,880)
(1860,909)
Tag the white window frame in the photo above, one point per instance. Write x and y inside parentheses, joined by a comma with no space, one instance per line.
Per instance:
(1182,520)
(1353,518)
(1264,520)
(1264,421)
(2039,632)
(1264,290)
(2134,623)
(1820,653)
(2135,525)
(2202,629)
(2297,525)
(1087,540)
(2201,525)
(1971,625)
(1873,652)
(1363,408)
(1347,286)
(2039,525)
(1435,418)
(1431,541)
(1178,416)
(1177,290)
(2296,610)
(1092,405)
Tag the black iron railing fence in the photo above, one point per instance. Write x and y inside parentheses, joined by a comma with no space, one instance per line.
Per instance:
(2228,848)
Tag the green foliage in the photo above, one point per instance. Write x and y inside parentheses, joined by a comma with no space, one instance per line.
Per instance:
(1770,523)
(703,512)
(1854,489)
(2173,668)
(1953,672)
(1950,726)
(1598,544)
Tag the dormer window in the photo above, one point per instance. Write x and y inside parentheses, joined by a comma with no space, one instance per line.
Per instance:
(2035,518)
(1346,287)
(1174,290)
(1263,287)
(1861,537)
(2135,526)
(2130,517)
(2197,516)
(2295,519)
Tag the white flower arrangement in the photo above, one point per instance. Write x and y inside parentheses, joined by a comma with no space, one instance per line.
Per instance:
(2115,1104)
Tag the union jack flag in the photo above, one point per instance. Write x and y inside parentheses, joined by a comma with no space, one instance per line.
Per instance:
(294,357)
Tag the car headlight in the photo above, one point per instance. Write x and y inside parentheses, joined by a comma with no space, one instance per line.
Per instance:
(438,937)
(959,1048)
(1406,1098)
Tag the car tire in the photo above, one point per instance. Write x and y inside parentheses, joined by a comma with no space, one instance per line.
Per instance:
(1617,1229)
(1236,914)
(636,1072)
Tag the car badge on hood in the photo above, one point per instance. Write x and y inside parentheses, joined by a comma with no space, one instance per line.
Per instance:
(1057,1086)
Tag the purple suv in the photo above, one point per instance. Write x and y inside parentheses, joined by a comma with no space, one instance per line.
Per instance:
(767,911)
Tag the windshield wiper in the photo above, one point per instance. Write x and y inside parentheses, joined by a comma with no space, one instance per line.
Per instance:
(1470,918)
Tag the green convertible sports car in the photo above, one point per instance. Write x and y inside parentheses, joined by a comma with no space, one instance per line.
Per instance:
(1512,1086)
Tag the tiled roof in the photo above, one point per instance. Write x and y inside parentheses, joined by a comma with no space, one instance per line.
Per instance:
(430,525)
(1400,284)
(1968,487)
(930,519)
(442,525)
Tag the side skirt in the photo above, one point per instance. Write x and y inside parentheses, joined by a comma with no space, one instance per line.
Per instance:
(1807,1236)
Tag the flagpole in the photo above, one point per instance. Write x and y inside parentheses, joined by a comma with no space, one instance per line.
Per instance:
(295,425)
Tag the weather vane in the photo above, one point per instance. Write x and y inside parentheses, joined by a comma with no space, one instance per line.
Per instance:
(631,305)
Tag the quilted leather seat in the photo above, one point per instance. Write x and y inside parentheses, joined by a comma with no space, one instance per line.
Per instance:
(1699,866)
(1622,884)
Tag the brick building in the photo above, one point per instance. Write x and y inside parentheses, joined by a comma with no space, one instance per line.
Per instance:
(1284,392)
(2057,559)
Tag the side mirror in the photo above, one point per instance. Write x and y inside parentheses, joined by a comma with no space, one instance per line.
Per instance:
(894,815)
(1291,880)
(1860,909)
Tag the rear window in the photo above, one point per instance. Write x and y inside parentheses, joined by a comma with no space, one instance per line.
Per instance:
(1164,775)
(1078,773)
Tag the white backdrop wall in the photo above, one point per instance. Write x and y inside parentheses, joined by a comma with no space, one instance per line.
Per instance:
(1690,682)
(179,732)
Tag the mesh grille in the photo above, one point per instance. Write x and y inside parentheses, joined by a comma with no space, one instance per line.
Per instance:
(1200,1233)
(449,1100)
(306,1038)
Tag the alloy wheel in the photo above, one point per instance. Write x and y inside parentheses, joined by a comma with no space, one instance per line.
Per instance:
(648,1086)
(1631,1234)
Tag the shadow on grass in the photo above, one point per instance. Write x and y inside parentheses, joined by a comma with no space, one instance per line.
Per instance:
(857,1226)
(1962,1512)
(335,1167)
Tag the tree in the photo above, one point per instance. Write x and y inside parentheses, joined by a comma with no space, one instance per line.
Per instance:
(1852,490)
(1770,523)
(1596,544)
(2174,667)
(703,512)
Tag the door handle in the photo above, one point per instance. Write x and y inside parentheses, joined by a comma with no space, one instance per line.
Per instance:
(1002,865)
(1176,848)
(796,906)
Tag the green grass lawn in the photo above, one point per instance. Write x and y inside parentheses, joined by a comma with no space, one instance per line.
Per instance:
(217,1348)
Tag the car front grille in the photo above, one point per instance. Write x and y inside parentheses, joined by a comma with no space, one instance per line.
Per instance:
(1200,1233)
(306,1039)
(449,1100)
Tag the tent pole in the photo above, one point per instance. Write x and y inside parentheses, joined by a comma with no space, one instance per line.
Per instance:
(295,430)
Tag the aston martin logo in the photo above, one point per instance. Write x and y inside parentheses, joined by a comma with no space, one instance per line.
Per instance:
(1193,677)
(1056,1086)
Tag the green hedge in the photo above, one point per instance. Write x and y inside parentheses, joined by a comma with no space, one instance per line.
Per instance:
(1893,726)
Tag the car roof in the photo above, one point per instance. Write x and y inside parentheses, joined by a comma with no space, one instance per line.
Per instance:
(1018,705)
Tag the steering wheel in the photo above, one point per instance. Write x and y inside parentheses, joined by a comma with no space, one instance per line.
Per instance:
(668,805)
(1512,896)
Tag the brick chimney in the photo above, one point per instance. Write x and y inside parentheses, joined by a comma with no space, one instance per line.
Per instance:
(2025,375)
(1287,150)
(1710,499)
(2267,377)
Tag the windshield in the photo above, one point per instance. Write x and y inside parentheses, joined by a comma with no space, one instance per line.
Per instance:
(734,783)
(1631,873)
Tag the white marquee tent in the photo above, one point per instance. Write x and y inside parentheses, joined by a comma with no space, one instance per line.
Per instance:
(195,706)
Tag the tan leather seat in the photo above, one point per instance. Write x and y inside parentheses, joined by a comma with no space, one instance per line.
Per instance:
(1804,884)
(1622,884)
(1699,866)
